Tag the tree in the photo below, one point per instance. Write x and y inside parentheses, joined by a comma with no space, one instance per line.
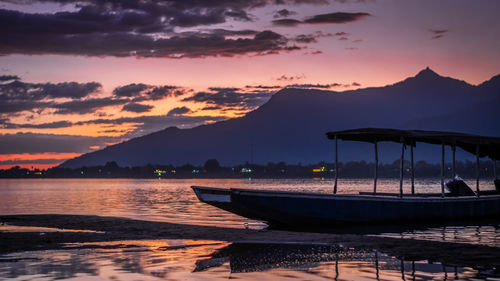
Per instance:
(212,165)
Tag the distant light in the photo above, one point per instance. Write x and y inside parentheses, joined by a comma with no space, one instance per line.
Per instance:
(319,170)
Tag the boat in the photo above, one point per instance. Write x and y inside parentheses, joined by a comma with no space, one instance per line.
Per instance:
(292,209)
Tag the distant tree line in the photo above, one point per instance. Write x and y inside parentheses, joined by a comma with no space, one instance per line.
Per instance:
(212,169)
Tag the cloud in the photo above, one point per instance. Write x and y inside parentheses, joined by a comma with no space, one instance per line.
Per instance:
(137,107)
(143,92)
(4,78)
(286,22)
(212,107)
(41,143)
(86,106)
(290,78)
(438,33)
(18,96)
(331,18)
(123,28)
(149,124)
(31,161)
(50,125)
(323,86)
(138,45)
(283,13)
(311,38)
(230,98)
(339,17)
(311,86)
(178,111)
(265,87)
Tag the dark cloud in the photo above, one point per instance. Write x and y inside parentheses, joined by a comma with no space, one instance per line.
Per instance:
(178,111)
(286,22)
(5,78)
(290,78)
(212,108)
(231,98)
(438,33)
(122,28)
(86,106)
(138,45)
(71,90)
(351,49)
(51,125)
(143,92)
(149,124)
(331,18)
(311,38)
(131,90)
(40,143)
(263,87)
(323,86)
(137,107)
(34,161)
(283,13)
(311,86)
(18,96)
(338,17)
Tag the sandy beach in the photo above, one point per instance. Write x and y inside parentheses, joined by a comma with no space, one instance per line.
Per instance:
(120,229)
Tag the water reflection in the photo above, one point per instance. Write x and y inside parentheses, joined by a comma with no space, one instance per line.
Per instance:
(334,262)
(216,260)
(170,200)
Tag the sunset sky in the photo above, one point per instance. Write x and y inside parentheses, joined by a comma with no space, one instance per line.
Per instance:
(76,76)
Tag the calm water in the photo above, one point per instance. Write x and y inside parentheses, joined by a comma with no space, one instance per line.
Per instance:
(215,260)
(174,201)
(163,200)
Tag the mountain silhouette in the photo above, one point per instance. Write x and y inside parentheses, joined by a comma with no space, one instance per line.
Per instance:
(291,126)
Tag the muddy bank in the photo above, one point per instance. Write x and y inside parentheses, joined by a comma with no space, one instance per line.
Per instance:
(116,229)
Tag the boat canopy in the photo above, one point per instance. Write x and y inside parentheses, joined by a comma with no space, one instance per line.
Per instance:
(488,146)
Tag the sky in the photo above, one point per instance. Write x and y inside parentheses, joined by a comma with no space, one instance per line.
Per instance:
(76,76)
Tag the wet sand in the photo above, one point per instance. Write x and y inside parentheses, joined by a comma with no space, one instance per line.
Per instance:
(116,229)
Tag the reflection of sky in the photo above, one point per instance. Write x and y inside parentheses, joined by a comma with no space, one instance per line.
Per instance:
(393,43)
(215,260)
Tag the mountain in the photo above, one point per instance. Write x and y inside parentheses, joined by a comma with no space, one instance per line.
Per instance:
(291,126)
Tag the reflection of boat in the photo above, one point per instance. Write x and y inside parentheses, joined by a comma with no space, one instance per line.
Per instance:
(259,257)
(297,208)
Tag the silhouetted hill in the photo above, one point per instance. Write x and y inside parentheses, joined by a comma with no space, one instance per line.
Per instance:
(291,126)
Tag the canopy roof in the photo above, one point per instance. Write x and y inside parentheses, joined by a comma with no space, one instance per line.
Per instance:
(488,146)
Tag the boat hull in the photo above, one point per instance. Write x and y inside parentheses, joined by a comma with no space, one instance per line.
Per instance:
(288,208)
(283,208)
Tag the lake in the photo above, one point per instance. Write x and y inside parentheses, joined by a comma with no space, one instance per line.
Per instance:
(174,201)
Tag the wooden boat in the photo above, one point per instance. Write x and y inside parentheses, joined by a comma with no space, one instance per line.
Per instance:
(285,208)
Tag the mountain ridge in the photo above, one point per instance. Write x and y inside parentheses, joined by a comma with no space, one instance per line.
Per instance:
(294,121)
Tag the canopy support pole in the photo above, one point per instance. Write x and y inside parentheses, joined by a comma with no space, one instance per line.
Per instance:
(477,170)
(442,169)
(376,169)
(453,167)
(412,171)
(336,165)
(401,167)
(494,168)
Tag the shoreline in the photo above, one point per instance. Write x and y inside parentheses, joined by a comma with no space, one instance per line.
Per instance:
(118,229)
